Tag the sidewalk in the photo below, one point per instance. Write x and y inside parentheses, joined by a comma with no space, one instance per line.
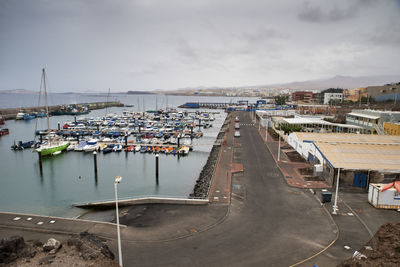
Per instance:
(220,189)
(289,169)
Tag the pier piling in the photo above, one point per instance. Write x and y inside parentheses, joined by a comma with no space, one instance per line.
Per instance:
(58,126)
(95,163)
(75,119)
(40,164)
(157,168)
(126,139)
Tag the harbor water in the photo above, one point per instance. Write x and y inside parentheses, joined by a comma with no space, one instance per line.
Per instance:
(69,178)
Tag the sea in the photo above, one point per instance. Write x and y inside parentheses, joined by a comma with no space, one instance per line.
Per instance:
(69,178)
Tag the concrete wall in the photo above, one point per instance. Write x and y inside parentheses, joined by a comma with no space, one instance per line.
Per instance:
(144,200)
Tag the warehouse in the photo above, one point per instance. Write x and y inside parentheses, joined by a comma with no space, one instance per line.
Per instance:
(361,158)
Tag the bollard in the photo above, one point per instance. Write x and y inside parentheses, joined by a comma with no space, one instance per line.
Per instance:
(179,142)
(126,139)
(58,126)
(75,119)
(95,162)
(157,168)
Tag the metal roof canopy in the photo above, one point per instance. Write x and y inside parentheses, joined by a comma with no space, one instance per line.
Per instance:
(348,138)
(363,115)
(318,121)
(361,156)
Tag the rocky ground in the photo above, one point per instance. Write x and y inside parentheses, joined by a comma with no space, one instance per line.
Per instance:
(382,250)
(80,250)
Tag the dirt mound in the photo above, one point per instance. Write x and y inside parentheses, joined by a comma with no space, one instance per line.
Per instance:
(382,250)
(81,250)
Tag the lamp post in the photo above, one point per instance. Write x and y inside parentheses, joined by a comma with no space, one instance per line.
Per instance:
(116,182)
(279,143)
(335,207)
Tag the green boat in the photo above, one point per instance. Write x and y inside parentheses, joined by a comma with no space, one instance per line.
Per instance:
(52,149)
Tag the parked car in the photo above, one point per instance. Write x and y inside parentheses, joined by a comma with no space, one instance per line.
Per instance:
(237,126)
(237,134)
(237,119)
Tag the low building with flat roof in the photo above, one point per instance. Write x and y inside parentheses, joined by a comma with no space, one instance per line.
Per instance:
(372,120)
(361,158)
(312,124)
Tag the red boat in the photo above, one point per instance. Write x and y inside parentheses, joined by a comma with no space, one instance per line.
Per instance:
(4,131)
(129,148)
(2,120)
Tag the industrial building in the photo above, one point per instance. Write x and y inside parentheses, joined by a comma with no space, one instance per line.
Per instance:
(384,92)
(361,158)
(372,120)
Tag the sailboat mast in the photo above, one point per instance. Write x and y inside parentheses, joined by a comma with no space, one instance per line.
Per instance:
(107,101)
(47,102)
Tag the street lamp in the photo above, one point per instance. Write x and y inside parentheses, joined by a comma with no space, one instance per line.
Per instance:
(116,182)
(279,143)
(335,207)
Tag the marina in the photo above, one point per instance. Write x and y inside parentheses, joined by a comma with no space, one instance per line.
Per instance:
(69,177)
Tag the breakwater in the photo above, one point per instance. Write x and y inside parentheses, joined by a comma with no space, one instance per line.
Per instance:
(202,186)
(11,113)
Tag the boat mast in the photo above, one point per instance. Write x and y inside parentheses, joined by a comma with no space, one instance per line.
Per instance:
(107,100)
(47,102)
(37,117)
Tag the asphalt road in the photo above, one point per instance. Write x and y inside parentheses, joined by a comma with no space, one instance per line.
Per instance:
(268,223)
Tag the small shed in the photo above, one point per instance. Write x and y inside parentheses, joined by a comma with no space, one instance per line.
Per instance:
(385,196)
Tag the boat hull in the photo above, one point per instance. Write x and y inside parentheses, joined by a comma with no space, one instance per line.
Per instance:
(52,149)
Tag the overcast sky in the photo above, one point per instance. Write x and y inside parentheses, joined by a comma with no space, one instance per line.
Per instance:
(170,44)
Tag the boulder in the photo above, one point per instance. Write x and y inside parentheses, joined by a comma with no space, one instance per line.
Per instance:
(10,248)
(52,245)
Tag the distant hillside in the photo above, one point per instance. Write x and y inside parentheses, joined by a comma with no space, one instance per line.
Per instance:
(18,91)
(340,81)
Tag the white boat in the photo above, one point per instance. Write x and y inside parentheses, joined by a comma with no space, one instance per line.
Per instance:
(117,148)
(20,116)
(91,145)
(183,150)
(71,147)
(137,148)
(80,146)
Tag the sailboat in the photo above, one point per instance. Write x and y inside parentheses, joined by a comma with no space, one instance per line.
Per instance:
(53,146)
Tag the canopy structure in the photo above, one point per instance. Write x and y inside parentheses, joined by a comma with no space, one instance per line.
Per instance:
(357,151)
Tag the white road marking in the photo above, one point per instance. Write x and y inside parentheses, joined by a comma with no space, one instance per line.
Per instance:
(17,218)
(40,223)
(29,218)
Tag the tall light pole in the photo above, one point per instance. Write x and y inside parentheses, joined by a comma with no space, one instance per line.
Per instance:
(279,143)
(335,207)
(116,182)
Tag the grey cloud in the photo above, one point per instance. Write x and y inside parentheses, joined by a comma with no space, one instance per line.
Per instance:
(310,12)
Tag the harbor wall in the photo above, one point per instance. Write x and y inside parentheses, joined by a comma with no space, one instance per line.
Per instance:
(141,201)
(11,113)
(202,187)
